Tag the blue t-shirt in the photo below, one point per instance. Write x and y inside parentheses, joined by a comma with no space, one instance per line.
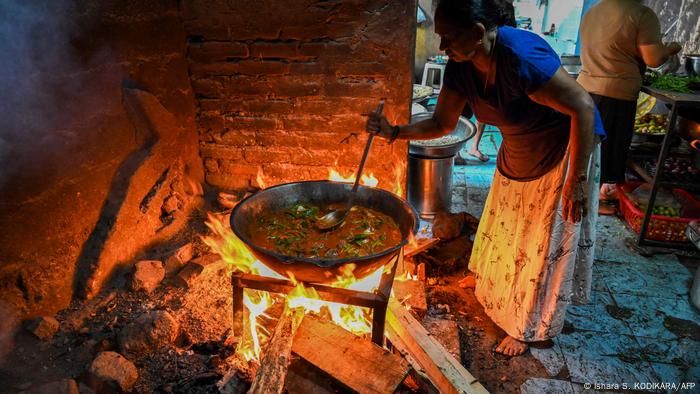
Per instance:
(535,136)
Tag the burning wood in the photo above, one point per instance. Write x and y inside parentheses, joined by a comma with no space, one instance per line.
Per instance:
(273,369)
(359,364)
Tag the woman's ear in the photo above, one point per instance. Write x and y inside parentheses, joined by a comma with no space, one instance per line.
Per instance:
(479,30)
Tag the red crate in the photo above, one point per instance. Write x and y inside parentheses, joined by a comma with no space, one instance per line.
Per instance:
(661,228)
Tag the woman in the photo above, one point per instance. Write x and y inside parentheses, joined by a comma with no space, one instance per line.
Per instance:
(533,250)
(619,39)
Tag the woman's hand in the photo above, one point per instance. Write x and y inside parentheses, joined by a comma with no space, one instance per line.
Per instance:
(573,199)
(378,125)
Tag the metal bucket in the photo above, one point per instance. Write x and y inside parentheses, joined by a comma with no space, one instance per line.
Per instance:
(430,184)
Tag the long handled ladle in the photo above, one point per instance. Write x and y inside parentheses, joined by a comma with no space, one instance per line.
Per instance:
(334,218)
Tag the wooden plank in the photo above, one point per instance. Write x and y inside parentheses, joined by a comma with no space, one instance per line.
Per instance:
(412,293)
(421,245)
(409,336)
(326,293)
(357,363)
(273,368)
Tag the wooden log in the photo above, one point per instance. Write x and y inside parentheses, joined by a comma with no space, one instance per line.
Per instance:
(357,363)
(409,336)
(421,245)
(273,368)
(412,293)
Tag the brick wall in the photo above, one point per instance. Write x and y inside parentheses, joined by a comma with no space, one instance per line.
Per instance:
(281,86)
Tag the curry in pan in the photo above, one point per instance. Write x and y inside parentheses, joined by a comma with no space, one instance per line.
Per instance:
(291,232)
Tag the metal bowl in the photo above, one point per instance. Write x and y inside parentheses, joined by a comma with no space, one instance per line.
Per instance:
(692,65)
(464,131)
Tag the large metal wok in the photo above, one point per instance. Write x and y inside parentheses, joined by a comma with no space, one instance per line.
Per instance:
(280,197)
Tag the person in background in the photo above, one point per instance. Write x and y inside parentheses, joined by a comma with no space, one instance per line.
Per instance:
(533,250)
(619,38)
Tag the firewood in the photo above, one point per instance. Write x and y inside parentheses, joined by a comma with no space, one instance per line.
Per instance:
(409,336)
(357,363)
(273,368)
(421,245)
(412,293)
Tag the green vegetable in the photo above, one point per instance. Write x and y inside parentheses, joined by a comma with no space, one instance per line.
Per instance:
(674,83)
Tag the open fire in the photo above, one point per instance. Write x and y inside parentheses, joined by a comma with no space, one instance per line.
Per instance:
(233,251)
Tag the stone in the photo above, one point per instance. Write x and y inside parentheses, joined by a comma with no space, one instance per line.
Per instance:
(189,274)
(147,275)
(44,327)
(171,204)
(149,331)
(177,260)
(65,386)
(112,367)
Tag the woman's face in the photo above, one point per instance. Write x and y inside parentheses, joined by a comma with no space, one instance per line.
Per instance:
(459,43)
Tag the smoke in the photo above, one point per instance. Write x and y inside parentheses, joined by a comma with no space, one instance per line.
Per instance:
(35,42)
(8,327)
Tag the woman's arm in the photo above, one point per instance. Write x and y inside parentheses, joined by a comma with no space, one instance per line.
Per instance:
(449,106)
(565,95)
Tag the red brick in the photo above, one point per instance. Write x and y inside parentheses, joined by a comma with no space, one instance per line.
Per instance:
(280,50)
(238,138)
(210,121)
(249,122)
(358,89)
(340,105)
(238,167)
(229,181)
(207,87)
(251,106)
(260,67)
(266,155)
(211,165)
(319,30)
(314,157)
(280,138)
(285,172)
(217,51)
(362,69)
(220,151)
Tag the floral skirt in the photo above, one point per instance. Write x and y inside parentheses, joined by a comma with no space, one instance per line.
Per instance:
(529,263)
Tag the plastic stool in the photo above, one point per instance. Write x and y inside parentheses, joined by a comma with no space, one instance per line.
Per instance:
(429,70)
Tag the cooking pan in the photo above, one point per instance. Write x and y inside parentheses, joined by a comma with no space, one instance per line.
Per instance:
(281,197)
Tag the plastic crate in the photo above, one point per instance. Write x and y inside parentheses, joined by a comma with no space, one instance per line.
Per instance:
(661,228)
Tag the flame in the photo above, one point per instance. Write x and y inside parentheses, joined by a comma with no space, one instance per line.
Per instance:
(232,250)
(260,179)
(366,180)
(398,180)
(412,242)
(256,303)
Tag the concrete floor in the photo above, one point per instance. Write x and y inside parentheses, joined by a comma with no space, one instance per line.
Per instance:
(639,327)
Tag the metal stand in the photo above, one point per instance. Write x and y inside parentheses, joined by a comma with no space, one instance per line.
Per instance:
(676,100)
(378,300)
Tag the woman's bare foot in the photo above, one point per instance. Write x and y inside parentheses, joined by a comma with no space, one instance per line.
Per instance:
(510,346)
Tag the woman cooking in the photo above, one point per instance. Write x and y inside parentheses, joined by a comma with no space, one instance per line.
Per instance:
(533,251)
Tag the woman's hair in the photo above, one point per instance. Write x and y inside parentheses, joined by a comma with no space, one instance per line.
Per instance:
(490,13)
